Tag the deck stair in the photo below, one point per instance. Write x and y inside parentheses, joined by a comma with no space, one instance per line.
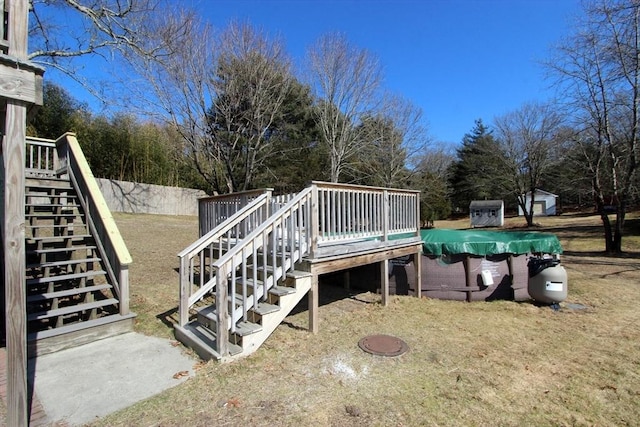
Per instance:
(72,292)
(242,292)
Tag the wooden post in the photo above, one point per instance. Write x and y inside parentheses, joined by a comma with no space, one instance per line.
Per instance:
(313,304)
(14,264)
(314,221)
(20,86)
(222,327)
(386,209)
(346,279)
(384,281)
(417,264)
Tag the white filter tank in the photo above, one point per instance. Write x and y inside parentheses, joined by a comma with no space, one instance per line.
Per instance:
(547,280)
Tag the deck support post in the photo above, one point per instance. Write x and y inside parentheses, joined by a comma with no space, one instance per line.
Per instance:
(417,264)
(346,280)
(313,304)
(384,281)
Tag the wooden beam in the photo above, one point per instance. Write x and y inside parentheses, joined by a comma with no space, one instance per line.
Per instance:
(346,280)
(320,266)
(20,80)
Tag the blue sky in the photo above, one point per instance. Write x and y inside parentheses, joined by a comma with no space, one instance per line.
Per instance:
(458,60)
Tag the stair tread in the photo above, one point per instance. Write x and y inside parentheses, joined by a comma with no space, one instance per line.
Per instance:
(59,238)
(247,328)
(85,324)
(67,292)
(293,274)
(265,308)
(33,192)
(51,208)
(52,215)
(78,225)
(51,184)
(90,273)
(71,309)
(52,205)
(282,290)
(55,250)
(204,338)
(62,263)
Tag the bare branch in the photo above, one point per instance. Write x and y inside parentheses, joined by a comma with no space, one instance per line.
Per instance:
(346,80)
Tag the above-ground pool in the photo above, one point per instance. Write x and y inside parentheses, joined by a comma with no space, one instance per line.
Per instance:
(469,265)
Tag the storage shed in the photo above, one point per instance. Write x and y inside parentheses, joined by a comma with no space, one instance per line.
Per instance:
(486,213)
(544,203)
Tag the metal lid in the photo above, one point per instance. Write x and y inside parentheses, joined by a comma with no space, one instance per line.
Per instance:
(383,345)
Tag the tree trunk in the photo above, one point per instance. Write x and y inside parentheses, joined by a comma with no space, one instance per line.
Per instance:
(616,244)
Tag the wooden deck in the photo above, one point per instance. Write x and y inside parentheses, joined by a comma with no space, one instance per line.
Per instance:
(252,242)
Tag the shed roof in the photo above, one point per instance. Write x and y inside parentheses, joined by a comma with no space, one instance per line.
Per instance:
(486,204)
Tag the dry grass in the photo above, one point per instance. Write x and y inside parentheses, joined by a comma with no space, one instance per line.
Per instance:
(498,363)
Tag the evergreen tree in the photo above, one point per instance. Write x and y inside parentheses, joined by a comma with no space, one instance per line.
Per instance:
(57,114)
(473,176)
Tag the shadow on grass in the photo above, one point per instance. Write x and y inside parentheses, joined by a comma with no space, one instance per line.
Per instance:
(606,257)
(169,317)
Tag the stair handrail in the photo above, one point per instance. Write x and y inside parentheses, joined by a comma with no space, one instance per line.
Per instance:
(297,240)
(253,213)
(117,259)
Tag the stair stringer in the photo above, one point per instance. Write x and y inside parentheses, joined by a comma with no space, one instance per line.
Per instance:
(270,321)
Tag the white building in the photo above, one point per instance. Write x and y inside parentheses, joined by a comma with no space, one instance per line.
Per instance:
(544,203)
(486,213)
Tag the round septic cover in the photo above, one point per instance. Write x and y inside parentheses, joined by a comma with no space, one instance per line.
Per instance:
(383,345)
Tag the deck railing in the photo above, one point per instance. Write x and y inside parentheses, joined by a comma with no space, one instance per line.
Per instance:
(347,213)
(344,213)
(41,157)
(214,210)
(64,156)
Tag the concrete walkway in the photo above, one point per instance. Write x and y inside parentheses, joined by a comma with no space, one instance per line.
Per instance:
(79,385)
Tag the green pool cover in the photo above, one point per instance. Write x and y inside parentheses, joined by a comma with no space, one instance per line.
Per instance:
(481,242)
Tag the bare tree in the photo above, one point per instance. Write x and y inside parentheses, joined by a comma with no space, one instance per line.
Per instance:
(178,87)
(252,82)
(391,138)
(598,68)
(345,80)
(431,177)
(62,30)
(527,137)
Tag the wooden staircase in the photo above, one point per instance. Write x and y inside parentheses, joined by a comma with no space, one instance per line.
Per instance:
(70,295)
(239,280)
(248,335)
